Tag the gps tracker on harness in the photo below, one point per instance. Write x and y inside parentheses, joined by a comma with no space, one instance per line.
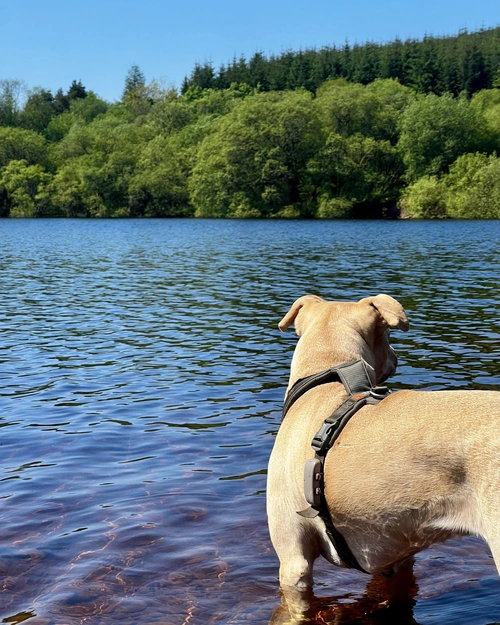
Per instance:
(313,481)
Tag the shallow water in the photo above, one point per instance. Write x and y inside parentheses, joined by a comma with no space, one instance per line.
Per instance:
(141,381)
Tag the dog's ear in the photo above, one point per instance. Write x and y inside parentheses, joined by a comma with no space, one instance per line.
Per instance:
(390,310)
(291,315)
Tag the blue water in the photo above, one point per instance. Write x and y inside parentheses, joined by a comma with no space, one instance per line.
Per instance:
(141,381)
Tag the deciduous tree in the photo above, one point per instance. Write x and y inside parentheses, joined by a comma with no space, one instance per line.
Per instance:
(435,131)
(254,161)
(25,185)
(21,144)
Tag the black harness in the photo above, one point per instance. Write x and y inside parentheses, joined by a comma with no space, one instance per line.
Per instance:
(354,376)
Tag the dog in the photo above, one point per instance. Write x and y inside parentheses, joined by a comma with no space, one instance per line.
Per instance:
(413,469)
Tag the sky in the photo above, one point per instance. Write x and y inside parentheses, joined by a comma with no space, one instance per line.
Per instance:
(50,43)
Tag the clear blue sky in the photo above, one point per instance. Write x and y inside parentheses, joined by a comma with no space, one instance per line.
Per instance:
(50,43)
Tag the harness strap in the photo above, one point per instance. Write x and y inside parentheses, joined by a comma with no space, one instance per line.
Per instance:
(314,474)
(336,538)
(354,376)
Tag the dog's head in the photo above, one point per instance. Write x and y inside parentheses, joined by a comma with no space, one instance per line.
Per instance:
(343,331)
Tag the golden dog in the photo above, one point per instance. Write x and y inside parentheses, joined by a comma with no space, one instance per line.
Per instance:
(414,469)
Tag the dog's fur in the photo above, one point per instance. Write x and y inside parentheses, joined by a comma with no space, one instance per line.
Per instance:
(415,469)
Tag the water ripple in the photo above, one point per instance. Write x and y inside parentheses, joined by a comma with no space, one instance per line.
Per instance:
(141,380)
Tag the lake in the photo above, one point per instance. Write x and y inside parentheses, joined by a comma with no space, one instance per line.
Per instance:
(142,375)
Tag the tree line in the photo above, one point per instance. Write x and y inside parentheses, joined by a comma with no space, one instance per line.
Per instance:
(465,63)
(345,150)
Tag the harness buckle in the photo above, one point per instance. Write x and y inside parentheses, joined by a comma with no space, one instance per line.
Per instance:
(322,440)
(328,432)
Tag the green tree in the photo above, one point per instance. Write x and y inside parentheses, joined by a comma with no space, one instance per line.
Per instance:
(373,111)
(21,144)
(257,70)
(334,207)
(473,72)
(159,187)
(354,175)
(486,105)
(171,115)
(424,199)
(392,62)
(58,127)
(422,70)
(81,112)
(76,91)
(365,63)
(88,108)
(138,97)
(78,140)
(254,162)
(67,191)
(96,163)
(37,111)
(474,187)
(202,76)
(212,103)
(135,84)
(391,100)
(25,185)
(60,103)
(435,131)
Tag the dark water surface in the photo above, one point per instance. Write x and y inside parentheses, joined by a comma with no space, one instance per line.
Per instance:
(141,380)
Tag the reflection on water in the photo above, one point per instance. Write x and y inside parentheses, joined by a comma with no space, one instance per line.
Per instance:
(141,379)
